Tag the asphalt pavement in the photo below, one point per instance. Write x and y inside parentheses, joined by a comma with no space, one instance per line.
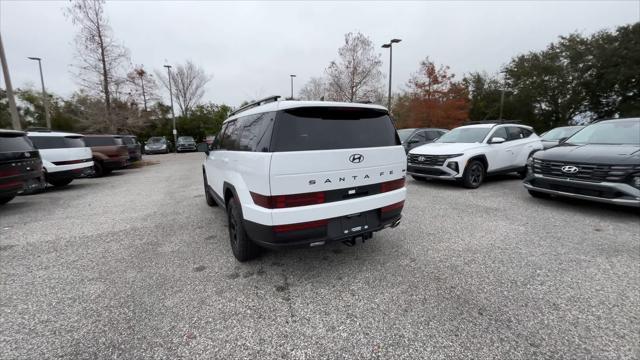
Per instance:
(135,265)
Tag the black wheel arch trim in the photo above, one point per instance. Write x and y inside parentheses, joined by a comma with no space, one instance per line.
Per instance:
(483,159)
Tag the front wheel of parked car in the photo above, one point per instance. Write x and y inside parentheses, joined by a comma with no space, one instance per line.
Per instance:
(6,199)
(60,182)
(473,175)
(243,248)
(523,173)
(210,200)
(538,194)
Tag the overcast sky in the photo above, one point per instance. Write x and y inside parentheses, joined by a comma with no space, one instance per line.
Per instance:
(250,48)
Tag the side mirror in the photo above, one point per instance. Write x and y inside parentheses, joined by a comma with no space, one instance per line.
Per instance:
(563,139)
(497,140)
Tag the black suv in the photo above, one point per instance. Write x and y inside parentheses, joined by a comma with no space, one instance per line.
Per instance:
(20,165)
(411,138)
(600,163)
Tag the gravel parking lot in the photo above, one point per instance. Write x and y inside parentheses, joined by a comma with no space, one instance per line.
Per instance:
(135,265)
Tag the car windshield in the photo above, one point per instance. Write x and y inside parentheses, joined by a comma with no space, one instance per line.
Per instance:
(405,133)
(616,132)
(129,140)
(561,132)
(465,135)
(185,138)
(156,140)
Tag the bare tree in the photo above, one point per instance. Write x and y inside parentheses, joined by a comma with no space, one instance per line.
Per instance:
(188,81)
(142,87)
(314,89)
(100,58)
(356,75)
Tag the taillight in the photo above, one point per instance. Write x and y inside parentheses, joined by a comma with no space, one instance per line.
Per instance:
(300,226)
(392,185)
(286,201)
(392,207)
(9,172)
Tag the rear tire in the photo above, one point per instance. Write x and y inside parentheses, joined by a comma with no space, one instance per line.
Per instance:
(419,178)
(60,182)
(242,247)
(6,199)
(538,194)
(473,175)
(98,169)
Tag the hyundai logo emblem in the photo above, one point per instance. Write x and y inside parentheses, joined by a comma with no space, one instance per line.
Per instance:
(422,158)
(356,158)
(569,169)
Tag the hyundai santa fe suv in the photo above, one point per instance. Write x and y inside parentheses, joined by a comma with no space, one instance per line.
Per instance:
(304,173)
(20,165)
(468,154)
(64,156)
(598,163)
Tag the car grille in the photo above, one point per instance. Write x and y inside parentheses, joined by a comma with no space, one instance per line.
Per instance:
(586,172)
(427,160)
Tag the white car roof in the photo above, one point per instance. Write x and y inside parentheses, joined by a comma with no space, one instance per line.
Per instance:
(290,104)
(490,125)
(51,133)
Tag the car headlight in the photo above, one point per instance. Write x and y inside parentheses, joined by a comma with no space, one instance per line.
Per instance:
(146,147)
(163,146)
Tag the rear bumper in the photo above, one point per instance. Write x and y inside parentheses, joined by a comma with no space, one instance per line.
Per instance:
(70,174)
(114,164)
(334,230)
(603,192)
(29,174)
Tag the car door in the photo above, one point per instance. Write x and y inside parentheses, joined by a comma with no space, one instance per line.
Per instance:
(517,146)
(498,155)
(214,164)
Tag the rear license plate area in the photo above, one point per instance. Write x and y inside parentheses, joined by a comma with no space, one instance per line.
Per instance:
(355,223)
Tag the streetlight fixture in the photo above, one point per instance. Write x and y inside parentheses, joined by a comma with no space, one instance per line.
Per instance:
(292,76)
(173,115)
(389,46)
(45,103)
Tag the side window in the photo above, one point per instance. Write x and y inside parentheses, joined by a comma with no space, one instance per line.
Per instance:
(500,132)
(526,132)
(416,138)
(255,132)
(431,135)
(513,133)
(226,141)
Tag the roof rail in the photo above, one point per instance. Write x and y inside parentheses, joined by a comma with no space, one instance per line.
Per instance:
(477,122)
(255,104)
(38,129)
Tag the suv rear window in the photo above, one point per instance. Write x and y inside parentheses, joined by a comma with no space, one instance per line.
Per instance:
(102,141)
(326,128)
(57,142)
(9,143)
(129,140)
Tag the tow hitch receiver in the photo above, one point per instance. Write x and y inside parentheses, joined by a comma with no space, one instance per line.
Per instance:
(352,241)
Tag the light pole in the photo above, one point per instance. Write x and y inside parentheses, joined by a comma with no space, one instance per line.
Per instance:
(13,109)
(292,76)
(45,103)
(173,115)
(389,46)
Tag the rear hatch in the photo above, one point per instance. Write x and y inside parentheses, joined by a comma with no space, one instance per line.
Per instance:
(62,150)
(330,148)
(19,161)
(110,146)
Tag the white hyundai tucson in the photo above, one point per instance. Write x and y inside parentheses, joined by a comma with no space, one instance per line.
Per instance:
(470,153)
(303,173)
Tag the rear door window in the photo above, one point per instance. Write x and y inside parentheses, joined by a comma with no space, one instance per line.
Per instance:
(514,133)
(230,137)
(255,132)
(326,128)
(15,143)
(57,142)
(102,141)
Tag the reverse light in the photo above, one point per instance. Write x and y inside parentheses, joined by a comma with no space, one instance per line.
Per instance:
(300,226)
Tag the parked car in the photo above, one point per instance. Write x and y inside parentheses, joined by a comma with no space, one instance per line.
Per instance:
(20,165)
(468,154)
(156,145)
(134,147)
(552,137)
(599,163)
(186,143)
(411,138)
(286,179)
(64,156)
(109,153)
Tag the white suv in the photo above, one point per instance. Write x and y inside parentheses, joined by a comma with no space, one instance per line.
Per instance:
(303,173)
(64,156)
(470,153)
